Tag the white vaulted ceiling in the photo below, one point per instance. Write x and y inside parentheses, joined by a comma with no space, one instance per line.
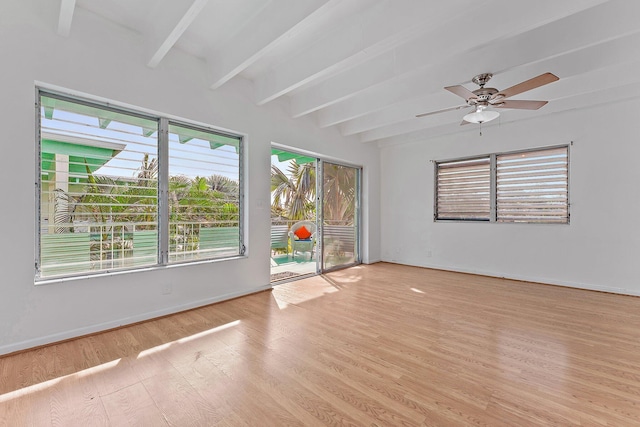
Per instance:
(368,67)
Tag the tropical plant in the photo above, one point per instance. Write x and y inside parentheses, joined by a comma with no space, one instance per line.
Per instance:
(106,204)
(99,203)
(142,197)
(197,200)
(197,203)
(339,187)
(294,198)
(225,185)
(63,207)
(178,189)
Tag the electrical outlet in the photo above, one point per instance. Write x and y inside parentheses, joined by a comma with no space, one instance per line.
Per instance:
(429,254)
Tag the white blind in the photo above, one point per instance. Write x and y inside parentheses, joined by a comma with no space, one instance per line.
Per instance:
(463,189)
(100,180)
(204,194)
(98,189)
(533,186)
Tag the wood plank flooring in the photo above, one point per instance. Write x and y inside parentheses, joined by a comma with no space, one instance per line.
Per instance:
(376,345)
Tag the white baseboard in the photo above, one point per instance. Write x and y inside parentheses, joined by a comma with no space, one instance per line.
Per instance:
(100,327)
(524,278)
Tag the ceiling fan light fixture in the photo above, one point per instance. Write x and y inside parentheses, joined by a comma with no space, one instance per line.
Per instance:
(485,97)
(481,116)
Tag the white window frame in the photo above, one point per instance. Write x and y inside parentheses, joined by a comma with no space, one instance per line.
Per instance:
(163,179)
(493,186)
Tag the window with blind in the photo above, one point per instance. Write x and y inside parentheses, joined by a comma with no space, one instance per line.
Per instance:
(204,194)
(463,190)
(525,186)
(533,186)
(105,175)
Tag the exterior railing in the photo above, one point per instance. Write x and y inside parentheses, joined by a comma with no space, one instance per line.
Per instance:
(339,236)
(121,245)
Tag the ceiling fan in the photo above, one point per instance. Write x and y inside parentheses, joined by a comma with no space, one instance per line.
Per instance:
(484,97)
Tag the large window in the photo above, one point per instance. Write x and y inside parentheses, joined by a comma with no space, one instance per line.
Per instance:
(525,186)
(120,189)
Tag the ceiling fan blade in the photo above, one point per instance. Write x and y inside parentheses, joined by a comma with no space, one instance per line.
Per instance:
(464,122)
(533,83)
(459,107)
(521,105)
(461,91)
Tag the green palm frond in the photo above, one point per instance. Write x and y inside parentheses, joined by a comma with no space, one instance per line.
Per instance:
(223,184)
(63,207)
(294,197)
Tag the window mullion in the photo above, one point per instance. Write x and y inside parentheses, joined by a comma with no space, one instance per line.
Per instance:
(492,189)
(163,191)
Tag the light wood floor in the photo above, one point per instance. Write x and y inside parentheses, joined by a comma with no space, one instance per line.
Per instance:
(378,345)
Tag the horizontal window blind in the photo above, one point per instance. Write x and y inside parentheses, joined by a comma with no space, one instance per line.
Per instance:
(98,188)
(464,190)
(533,186)
(204,194)
(106,172)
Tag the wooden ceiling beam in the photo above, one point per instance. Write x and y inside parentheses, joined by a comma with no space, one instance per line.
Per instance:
(66,17)
(173,32)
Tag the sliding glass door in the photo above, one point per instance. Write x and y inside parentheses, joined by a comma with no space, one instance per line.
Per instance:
(340,215)
(294,226)
(314,215)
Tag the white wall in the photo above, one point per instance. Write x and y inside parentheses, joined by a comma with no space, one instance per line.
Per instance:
(600,248)
(107,61)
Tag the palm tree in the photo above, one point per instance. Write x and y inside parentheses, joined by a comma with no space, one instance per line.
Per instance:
(148,172)
(198,202)
(225,185)
(101,199)
(294,198)
(339,188)
(142,197)
(64,206)
(106,202)
(178,188)
(213,200)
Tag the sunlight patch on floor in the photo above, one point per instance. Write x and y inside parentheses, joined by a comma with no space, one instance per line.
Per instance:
(188,339)
(35,388)
(303,290)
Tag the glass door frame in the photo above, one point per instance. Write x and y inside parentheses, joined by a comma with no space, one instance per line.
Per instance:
(317,270)
(319,208)
(320,214)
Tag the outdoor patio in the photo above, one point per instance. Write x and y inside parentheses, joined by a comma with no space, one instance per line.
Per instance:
(284,266)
